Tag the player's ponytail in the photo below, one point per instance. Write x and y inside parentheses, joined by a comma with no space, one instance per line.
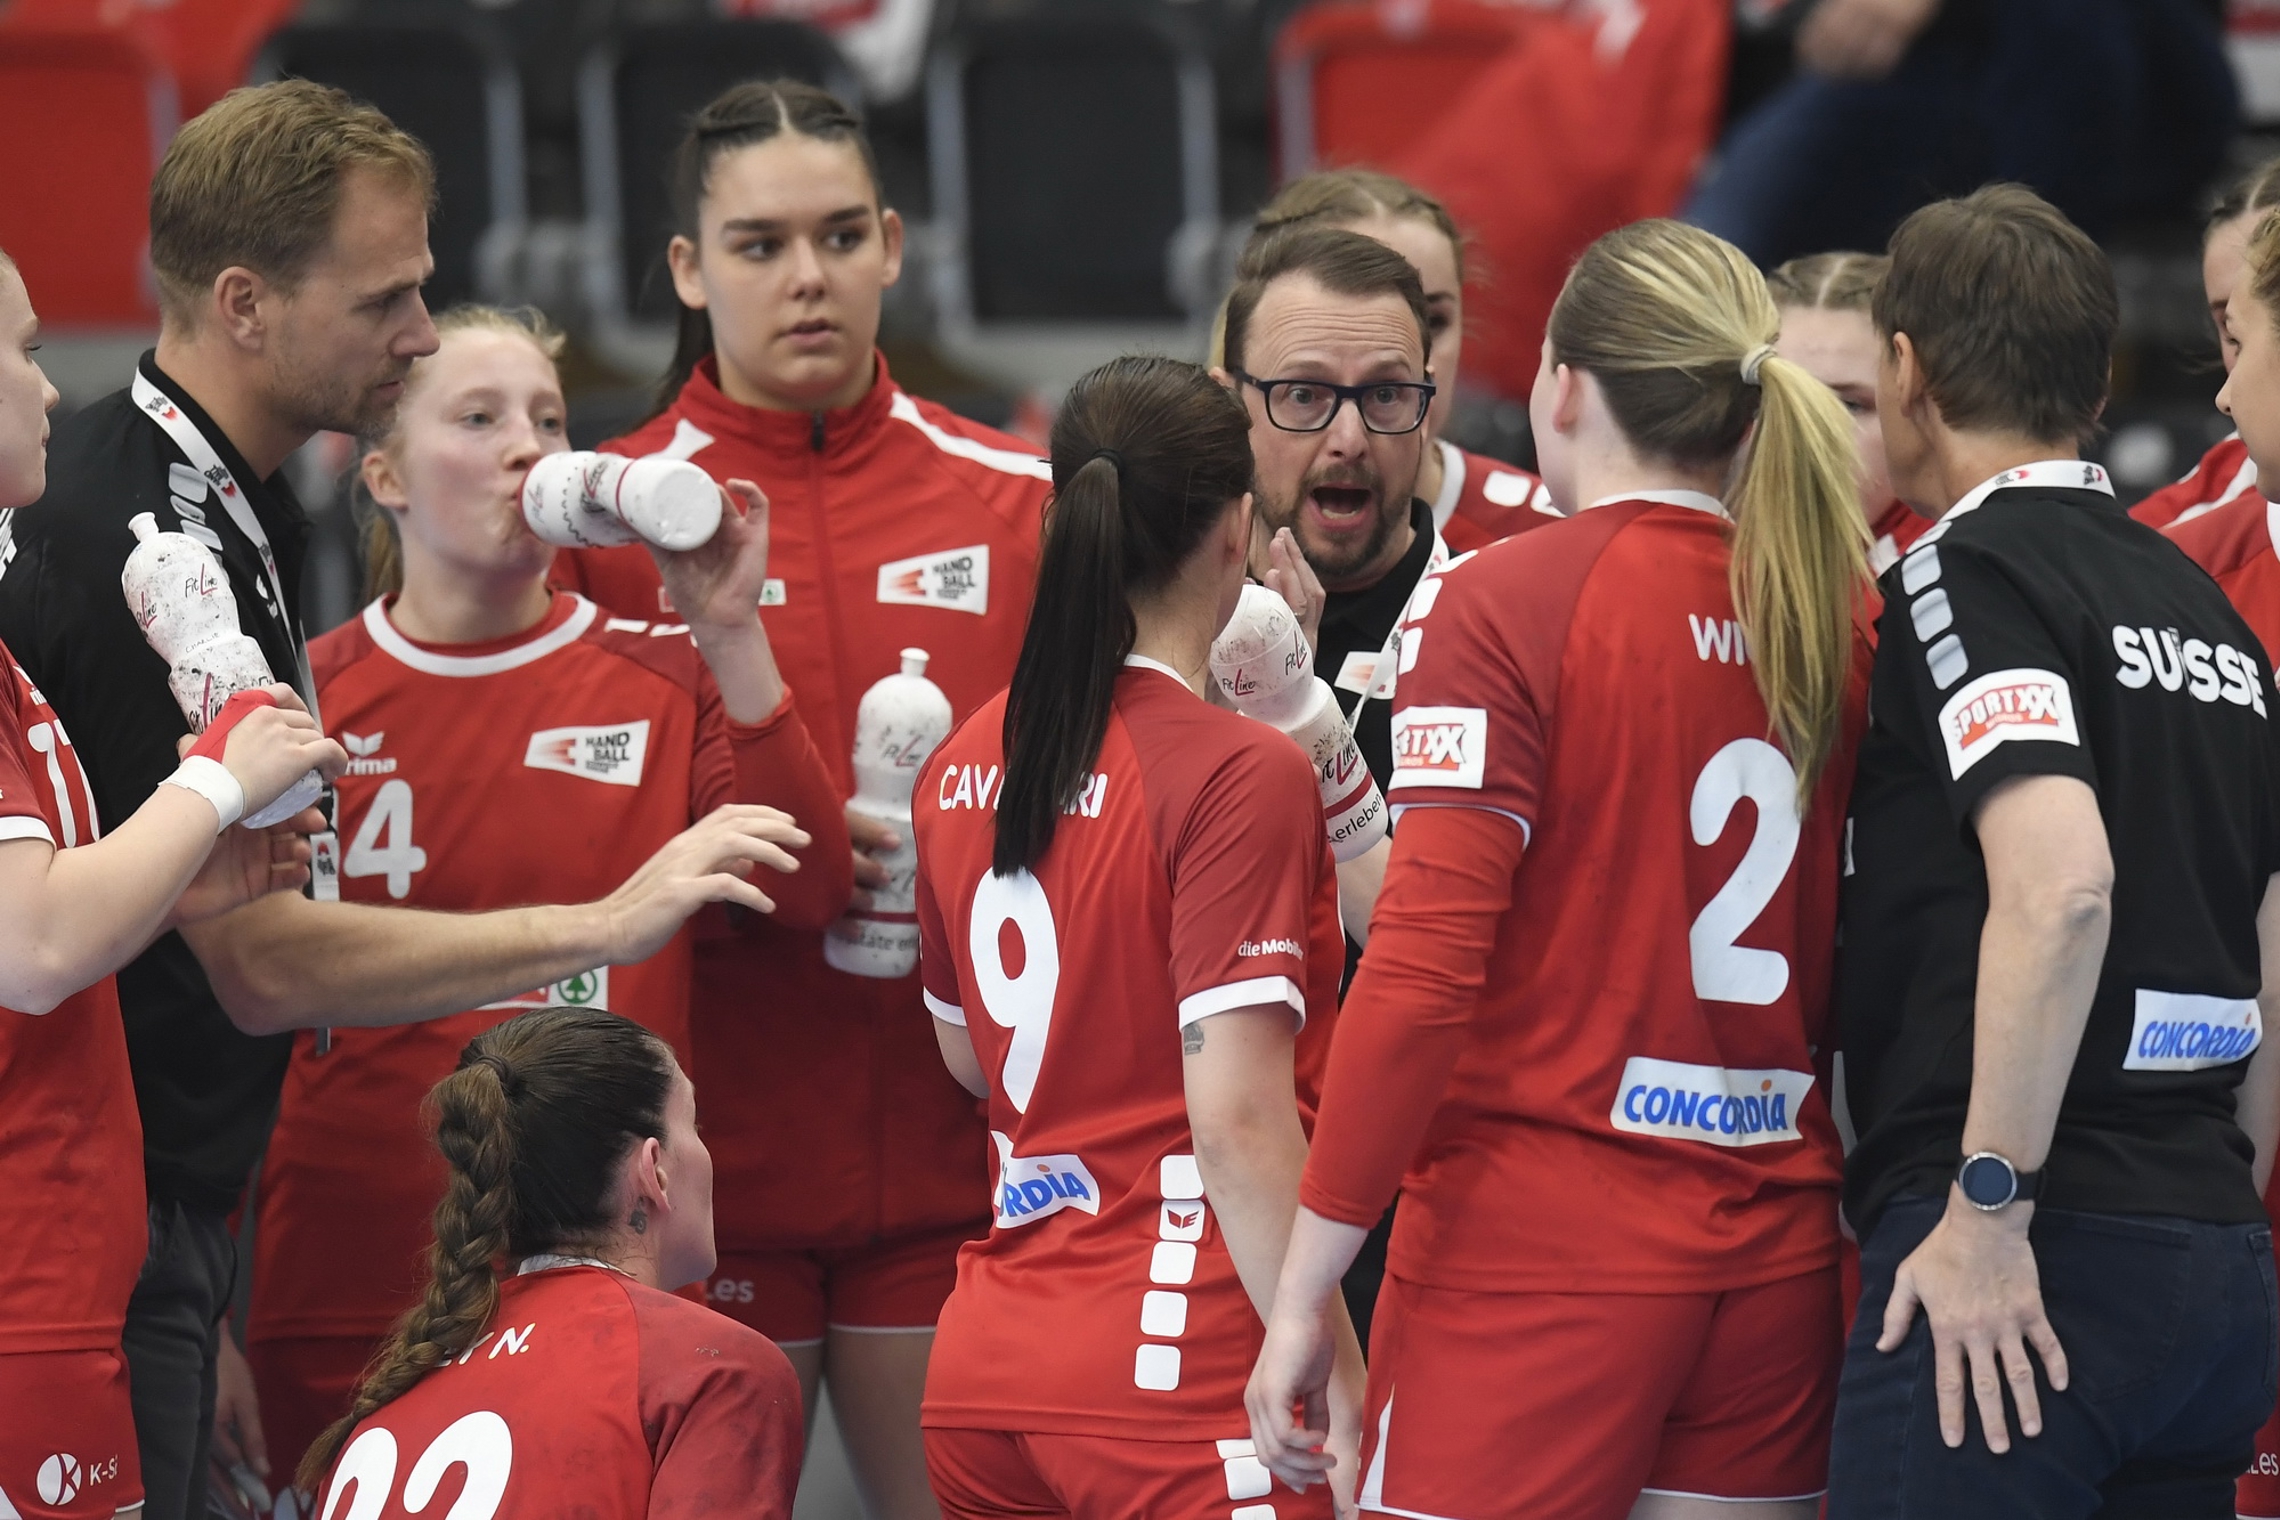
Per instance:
(1678,326)
(533,1126)
(1147,455)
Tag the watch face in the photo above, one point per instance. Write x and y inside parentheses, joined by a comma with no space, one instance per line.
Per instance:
(1988,1181)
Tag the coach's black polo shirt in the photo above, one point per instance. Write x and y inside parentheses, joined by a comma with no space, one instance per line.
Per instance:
(207,1092)
(2038,630)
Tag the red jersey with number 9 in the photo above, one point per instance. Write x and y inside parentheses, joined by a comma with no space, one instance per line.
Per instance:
(72,1232)
(1637,1105)
(1192,877)
(588,1395)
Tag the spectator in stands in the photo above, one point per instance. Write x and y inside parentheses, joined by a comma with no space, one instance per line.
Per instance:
(1825,328)
(2225,474)
(289,236)
(1475,500)
(2110,108)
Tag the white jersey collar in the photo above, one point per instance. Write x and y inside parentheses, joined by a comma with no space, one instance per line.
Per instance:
(1699,501)
(430,662)
(2049,474)
(1452,483)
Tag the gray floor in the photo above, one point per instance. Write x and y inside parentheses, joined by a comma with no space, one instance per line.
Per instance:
(827,1492)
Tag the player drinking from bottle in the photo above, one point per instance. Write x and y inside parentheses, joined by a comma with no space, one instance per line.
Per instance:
(894,524)
(510,743)
(547,1355)
(1586,1021)
(1131,951)
(77,903)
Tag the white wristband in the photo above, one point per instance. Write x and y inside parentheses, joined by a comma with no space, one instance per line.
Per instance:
(211,780)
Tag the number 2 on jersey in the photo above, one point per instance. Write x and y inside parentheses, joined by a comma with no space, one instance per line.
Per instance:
(1724,971)
(1023,1003)
(383,843)
(480,1442)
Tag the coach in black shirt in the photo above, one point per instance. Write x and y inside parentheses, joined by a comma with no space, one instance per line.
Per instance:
(289,235)
(2064,828)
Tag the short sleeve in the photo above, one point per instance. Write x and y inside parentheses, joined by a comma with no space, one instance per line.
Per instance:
(1974,676)
(1245,866)
(722,1418)
(1467,726)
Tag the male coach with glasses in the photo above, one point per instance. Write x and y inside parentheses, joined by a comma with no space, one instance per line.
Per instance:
(1326,345)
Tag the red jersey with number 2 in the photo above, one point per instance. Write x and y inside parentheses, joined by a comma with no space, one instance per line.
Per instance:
(1192,877)
(589,1395)
(72,1232)
(1634,1104)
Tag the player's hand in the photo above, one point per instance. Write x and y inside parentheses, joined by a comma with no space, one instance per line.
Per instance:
(1975,1277)
(1290,577)
(1289,1399)
(1861,39)
(871,839)
(719,583)
(273,747)
(237,1412)
(246,864)
(706,862)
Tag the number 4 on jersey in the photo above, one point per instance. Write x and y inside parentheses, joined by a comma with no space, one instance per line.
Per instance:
(383,843)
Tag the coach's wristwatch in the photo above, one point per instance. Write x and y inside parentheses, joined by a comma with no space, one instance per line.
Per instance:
(1989,1182)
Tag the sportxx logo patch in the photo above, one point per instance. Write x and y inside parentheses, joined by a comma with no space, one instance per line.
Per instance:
(1439,746)
(2002,706)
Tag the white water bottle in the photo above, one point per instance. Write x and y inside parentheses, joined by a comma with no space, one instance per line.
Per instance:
(181,600)
(897,725)
(1264,669)
(581,500)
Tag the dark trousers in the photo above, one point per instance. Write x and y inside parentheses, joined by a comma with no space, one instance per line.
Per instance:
(2172,1341)
(172,1339)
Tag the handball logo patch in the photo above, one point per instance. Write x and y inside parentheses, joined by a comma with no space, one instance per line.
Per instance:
(1031,1188)
(610,752)
(1710,1104)
(1439,746)
(2004,705)
(957,579)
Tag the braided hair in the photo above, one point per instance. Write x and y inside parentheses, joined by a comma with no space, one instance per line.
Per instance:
(533,1125)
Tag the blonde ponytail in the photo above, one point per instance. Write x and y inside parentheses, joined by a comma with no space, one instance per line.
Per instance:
(1667,317)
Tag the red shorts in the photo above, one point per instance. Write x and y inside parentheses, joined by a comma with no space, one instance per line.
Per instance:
(985,1474)
(67,1436)
(792,1297)
(2258,1492)
(1717,1395)
(305,1385)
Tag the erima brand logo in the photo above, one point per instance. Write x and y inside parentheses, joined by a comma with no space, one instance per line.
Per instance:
(610,752)
(958,579)
(2186,1031)
(1031,1188)
(2004,705)
(361,750)
(2204,671)
(1439,746)
(1269,947)
(1711,1104)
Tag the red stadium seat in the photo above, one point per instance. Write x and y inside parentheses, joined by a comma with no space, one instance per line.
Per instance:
(86,114)
(1361,81)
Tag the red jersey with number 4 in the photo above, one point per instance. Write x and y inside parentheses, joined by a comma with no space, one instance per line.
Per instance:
(2224,475)
(1633,1104)
(72,1231)
(542,768)
(590,1395)
(891,523)
(1484,499)
(1192,877)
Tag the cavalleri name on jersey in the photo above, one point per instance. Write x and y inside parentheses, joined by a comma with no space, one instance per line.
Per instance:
(980,786)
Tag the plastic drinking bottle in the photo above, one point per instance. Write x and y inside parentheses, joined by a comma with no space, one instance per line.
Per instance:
(581,500)
(897,725)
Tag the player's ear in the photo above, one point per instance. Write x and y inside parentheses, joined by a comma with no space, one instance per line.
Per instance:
(648,1184)
(382,480)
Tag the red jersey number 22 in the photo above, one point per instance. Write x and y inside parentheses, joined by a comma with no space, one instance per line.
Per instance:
(480,1442)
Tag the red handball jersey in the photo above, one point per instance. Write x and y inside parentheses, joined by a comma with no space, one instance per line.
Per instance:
(2224,475)
(72,1231)
(1618,1063)
(590,1395)
(546,767)
(1891,532)
(2239,545)
(892,523)
(1191,878)
(1484,499)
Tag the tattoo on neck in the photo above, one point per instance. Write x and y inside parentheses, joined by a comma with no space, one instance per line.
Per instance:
(1191,1038)
(640,1219)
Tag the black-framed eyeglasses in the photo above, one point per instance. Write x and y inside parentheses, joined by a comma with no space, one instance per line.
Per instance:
(1309,406)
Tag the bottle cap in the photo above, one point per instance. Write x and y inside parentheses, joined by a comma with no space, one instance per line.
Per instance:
(914,662)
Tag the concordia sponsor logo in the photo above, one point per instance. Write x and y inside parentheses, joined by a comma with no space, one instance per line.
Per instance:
(611,752)
(1031,1188)
(2004,705)
(1711,1104)
(957,579)
(2186,1031)
(1439,746)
